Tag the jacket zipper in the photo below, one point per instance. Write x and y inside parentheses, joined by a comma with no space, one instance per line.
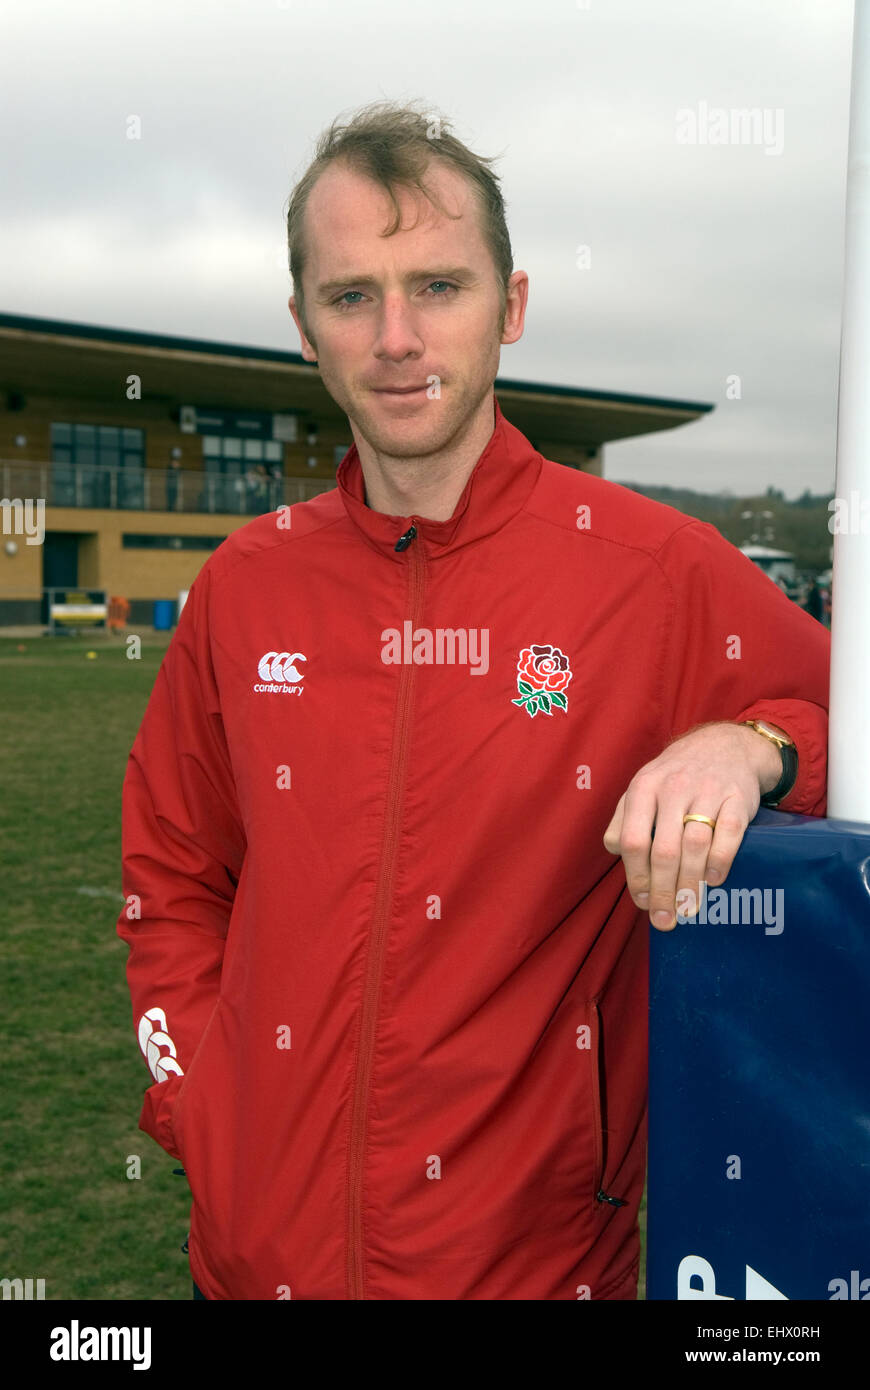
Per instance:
(598,1127)
(378,936)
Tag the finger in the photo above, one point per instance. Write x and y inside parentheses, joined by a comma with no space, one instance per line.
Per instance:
(731,824)
(665,860)
(636,841)
(614,829)
(697,841)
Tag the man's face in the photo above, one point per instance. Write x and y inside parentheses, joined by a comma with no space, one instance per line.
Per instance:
(400,311)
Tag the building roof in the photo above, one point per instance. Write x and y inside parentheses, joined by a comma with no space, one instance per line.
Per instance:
(36,359)
(764,552)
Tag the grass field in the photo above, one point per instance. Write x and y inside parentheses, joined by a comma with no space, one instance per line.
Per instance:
(73,1073)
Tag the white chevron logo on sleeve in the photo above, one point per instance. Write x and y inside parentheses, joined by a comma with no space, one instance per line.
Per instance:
(153,1037)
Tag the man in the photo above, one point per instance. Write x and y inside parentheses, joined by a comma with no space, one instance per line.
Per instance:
(389,977)
(813,602)
(172,480)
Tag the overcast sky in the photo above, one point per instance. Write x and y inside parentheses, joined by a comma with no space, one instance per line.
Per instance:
(705,262)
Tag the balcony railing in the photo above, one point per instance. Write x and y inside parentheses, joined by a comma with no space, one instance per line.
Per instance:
(154,489)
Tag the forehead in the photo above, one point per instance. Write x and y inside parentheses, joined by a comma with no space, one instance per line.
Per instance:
(347,212)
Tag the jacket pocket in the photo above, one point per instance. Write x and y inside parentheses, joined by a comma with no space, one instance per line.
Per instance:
(593,1020)
(189,1075)
(602,1196)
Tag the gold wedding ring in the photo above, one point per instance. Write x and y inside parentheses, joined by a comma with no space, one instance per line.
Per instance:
(706,820)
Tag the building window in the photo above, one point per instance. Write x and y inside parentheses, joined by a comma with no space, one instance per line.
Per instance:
(244,475)
(225,446)
(148,541)
(97,465)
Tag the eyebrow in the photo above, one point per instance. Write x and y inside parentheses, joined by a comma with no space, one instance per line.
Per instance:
(460,272)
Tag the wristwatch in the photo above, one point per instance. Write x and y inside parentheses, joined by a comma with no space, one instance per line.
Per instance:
(789,755)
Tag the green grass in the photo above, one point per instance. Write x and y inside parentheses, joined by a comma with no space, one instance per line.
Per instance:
(73,1074)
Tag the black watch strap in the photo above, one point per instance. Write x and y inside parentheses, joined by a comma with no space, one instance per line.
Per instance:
(789,776)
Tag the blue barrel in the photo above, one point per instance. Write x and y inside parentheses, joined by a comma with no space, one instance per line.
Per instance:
(163,614)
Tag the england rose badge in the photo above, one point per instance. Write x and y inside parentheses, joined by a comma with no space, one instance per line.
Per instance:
(543,674)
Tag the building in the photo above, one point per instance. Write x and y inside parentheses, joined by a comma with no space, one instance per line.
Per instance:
(147,450)
(778,565)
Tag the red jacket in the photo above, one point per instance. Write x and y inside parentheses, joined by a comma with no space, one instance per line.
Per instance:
(389,982)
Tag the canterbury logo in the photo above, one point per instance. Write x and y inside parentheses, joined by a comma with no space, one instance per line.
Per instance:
(153,1039)
(278,673)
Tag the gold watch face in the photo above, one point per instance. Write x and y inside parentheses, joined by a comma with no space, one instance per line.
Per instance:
(767,729)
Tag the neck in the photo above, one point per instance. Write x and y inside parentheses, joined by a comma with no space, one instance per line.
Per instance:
(430,485)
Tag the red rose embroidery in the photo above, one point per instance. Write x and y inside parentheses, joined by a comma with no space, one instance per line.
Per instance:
(543,673)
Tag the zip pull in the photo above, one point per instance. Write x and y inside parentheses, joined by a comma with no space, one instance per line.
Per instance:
(602,1196)
(404,541)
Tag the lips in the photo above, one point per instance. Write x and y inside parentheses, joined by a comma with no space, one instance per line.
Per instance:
(398,390)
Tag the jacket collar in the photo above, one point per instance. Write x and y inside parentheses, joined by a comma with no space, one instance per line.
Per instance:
(497,487)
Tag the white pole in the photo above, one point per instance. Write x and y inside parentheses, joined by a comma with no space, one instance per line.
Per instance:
(849,738)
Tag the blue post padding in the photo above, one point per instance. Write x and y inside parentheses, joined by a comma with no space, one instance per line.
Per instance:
(760,1065)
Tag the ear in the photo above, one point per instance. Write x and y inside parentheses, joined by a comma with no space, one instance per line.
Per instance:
(309,351)
(515,307)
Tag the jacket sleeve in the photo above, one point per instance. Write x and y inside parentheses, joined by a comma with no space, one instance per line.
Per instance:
(183,846)
(740,649)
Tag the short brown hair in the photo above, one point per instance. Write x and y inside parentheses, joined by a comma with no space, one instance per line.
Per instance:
(393,144)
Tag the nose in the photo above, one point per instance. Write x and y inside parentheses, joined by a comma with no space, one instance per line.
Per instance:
(397,334)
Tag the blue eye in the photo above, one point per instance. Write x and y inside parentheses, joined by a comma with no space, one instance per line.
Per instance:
(341,302)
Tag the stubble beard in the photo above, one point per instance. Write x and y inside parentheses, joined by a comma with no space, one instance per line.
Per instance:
(429,429)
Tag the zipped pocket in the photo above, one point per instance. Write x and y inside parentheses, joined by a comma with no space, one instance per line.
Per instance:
(600,1195)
